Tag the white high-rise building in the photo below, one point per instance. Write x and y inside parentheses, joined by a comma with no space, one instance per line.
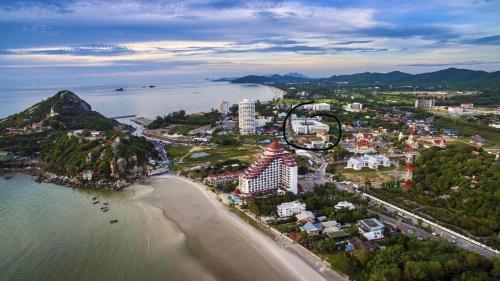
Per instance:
(275,169)
(224,108)
(246,115)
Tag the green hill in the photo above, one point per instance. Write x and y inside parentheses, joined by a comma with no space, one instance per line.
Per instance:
(70,112)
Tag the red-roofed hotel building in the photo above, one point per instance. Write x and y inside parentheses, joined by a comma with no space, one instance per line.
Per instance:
(275,169)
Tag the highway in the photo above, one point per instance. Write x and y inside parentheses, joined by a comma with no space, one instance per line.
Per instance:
(445,233)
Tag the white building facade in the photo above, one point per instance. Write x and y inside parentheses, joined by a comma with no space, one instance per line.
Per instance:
(275,169)
(289,209)
(306,126)
(246,117)
(370,161)
(224,108)
(317,106)
(371,229)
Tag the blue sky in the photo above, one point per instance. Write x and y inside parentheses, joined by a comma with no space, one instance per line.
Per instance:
(74,42)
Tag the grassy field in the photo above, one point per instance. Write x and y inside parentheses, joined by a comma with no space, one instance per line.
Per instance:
(181,155)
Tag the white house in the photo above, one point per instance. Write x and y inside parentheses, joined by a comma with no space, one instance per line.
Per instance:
(344,204)
(370,161)
(288,209)
(305,216)
(371,229)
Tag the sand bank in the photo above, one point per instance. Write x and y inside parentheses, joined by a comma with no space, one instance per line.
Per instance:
(219,244)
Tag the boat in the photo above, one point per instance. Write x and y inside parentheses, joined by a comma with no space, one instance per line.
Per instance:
(8,177)
(105,203)
(119,90)
(94,198)
(95,202)
(151,86)
(105,210)
(113,221)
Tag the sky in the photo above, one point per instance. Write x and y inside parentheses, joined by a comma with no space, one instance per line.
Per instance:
(77,42)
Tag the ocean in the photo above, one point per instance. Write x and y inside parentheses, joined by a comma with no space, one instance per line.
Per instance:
(50,232)
(146,102)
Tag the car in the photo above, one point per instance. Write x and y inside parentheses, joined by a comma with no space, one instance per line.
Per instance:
(410,231)
(434,233)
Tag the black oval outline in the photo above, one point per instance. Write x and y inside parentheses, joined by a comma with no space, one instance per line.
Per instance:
(319,114)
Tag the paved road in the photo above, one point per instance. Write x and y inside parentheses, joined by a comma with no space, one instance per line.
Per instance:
(406,229)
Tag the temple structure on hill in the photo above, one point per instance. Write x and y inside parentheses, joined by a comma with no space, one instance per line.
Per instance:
(275,169)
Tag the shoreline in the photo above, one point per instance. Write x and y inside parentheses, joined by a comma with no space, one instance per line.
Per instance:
(281,259)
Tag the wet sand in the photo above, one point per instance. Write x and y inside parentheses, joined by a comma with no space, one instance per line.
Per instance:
(212,242)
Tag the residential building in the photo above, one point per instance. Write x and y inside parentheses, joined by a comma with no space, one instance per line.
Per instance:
(478,140)
(246,117)
(455,110)
(316,106)
(262,121)
(424,103)
(370,161)
(305,216)
(307,126)
(276,168)
(224,108)
(354,107)
(288,209)
(355,243)
(371,229)
(344,205)
(311,228)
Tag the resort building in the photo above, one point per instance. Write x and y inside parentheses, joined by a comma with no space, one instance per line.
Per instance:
(289,209)
(246,115)
(371,229)
(307,126)
(316,106)
(344,205)
(275,169)
(224,108)
(370,161)
(223,178)
(424,103)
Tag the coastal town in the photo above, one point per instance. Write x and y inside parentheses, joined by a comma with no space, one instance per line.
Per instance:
(337,203)
(274,163)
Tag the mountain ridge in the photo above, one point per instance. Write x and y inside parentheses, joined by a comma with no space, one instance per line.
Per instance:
(450,77)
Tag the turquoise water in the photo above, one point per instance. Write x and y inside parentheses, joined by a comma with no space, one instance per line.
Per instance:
(49,232)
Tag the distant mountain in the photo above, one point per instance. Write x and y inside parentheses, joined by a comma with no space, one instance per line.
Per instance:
(271,79)
(296,75)
(451,77)
(69,112)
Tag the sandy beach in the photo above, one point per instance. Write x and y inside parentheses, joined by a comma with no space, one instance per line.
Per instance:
(215,244)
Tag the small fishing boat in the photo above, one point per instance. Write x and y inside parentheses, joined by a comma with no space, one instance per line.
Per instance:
(113,221)
(105,210)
